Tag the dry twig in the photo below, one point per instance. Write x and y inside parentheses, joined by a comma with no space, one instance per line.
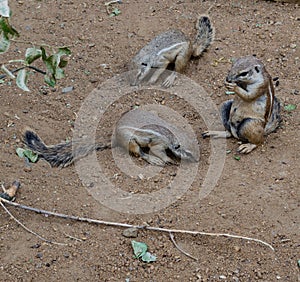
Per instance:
(125,225)
(27,229)
(179,249)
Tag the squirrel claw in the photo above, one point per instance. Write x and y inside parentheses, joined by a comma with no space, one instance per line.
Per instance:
(205,134)
(169,80)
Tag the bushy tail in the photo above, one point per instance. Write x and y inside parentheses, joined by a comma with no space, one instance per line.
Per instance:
(275,118)
(63,154)
(204,36)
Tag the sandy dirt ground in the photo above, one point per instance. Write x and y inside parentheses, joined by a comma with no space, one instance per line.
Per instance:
(256,196)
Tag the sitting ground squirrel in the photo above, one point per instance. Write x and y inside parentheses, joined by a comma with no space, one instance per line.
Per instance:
(171,47)
(255,111)
(155,136)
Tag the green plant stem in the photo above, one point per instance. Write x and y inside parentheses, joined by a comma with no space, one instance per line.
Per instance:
(18,69)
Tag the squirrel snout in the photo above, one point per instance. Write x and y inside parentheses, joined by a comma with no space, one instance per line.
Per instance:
(228,79)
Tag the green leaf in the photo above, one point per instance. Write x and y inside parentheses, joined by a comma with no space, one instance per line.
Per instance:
(4,9)
(50,64)
(115,12)
(49,80)
(4,43)
(62,63)
(290,107)
(26,153)
(31,156)
(7,28)
(22,80)
(59,73)
(44,54)
(237,158)
(64,51)
(32,54)
(229,92)
(54,65)
(8,72)
(139,248)
(147,257)
(140,251)
(20,152)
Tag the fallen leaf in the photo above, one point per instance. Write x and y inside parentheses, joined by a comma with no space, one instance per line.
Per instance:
(237,158)
(26,153)
(290,107)
(147,257)
(140,251)
(139,248)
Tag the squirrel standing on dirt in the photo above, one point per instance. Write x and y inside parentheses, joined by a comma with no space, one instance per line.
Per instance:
(171,47)
(255,111)
(155,136)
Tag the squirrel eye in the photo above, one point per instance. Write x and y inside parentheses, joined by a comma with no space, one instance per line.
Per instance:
(176,147)
(144,64)
(257,69)
(243,73)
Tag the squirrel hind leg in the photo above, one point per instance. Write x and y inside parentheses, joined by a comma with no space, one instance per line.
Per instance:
(216,134)
(135,149)
(246,148)
(159,151)
(251,130)
(225,116)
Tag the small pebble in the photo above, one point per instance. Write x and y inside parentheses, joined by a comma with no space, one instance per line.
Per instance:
(130,232)
(67,89)
(27,169)
(35,246)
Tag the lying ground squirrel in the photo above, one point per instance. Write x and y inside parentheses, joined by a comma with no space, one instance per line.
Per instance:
(255,111)
(156,137)
(171,47)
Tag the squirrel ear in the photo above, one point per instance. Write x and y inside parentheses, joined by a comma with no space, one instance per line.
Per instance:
(257,68)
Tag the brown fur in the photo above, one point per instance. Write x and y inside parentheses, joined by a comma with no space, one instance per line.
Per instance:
(130,134)
(170,47)
(255,111)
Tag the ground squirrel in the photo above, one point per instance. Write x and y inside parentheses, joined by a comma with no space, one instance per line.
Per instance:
(255,111)
(155,136)
(170,47)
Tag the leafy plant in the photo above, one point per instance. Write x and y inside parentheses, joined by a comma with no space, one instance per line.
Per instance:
(54,62)
(6,29)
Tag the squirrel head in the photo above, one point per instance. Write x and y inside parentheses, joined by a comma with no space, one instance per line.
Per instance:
(245,71)
(181,153)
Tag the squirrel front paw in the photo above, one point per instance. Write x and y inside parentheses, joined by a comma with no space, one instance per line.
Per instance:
(231,86)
